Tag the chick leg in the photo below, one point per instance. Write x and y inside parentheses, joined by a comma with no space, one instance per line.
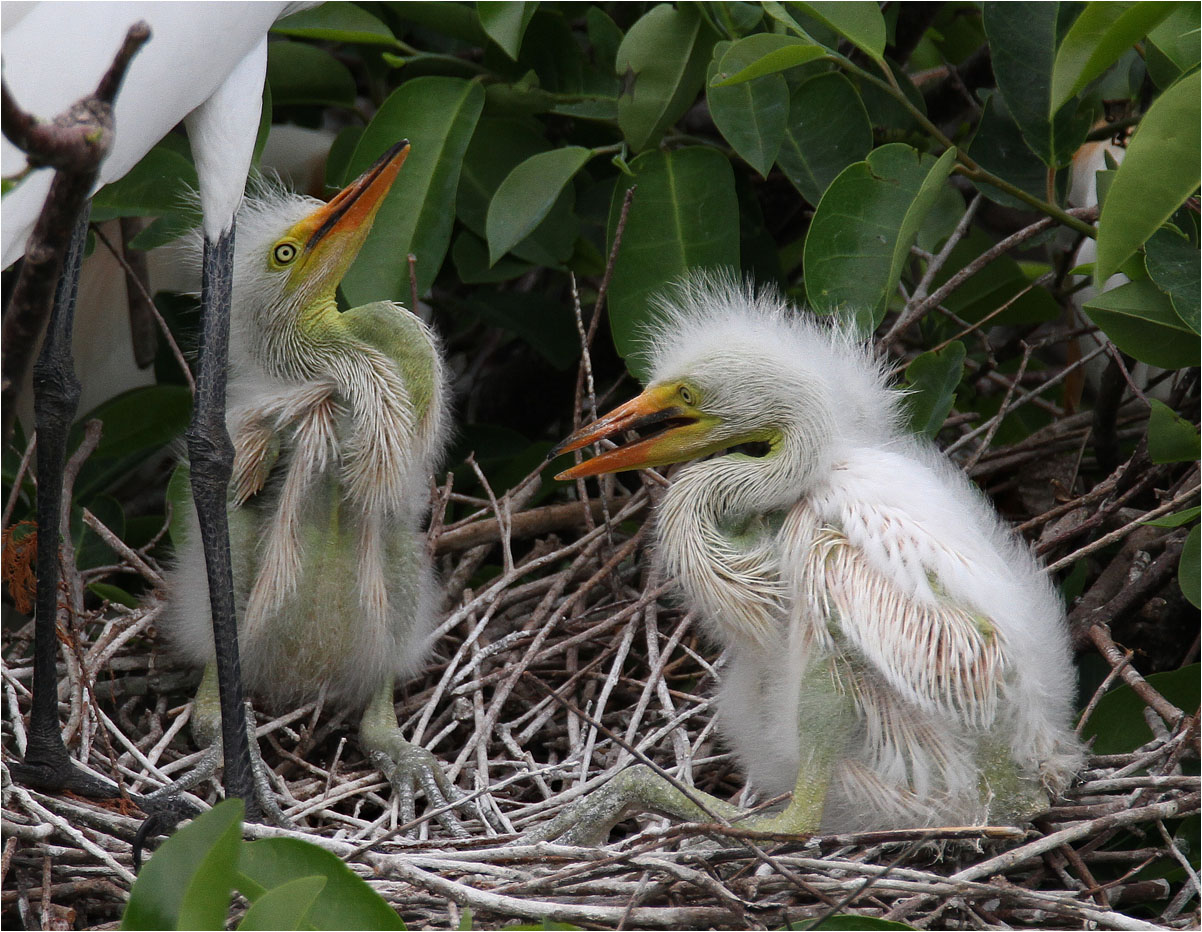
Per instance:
(207,732)
(406,765)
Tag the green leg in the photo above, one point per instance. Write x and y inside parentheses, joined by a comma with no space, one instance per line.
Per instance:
(206,732)
(828,716)
(406,765)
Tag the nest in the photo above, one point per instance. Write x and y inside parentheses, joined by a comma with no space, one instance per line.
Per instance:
(554,670)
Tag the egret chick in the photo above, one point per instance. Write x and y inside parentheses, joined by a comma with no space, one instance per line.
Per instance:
(897,657)
(337,419)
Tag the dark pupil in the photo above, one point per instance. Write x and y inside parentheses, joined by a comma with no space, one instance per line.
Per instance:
(284,253)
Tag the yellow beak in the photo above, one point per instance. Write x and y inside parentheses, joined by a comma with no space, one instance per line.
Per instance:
(337,229)
(683,433)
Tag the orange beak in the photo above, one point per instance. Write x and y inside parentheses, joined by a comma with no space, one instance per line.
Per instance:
(681,433)
(353,209)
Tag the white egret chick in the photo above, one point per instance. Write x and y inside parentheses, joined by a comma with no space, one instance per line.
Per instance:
(897,657)
(337,420)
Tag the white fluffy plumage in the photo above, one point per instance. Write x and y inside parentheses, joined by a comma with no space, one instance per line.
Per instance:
(855,557)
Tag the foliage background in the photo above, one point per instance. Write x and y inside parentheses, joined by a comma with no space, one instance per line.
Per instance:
(923,168)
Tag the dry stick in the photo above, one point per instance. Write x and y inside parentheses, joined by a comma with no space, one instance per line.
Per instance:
(936,263)
(1108,539)
(996,422)
(1101,691)
(18,480)
(132,276)
(122,549)
(1100,635)
(502,514)
(536,522)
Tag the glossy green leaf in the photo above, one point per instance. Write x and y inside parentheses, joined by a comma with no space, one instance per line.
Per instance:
(661,62)
(137,422)
(684,216)
(1160,171)
(470,255)
(932,379)
(283,907)
(763,54)
(336,22)
(1171,438)
(998,146)
(1176,519)
(853,923)
(1188,575)
(114,594)
(1174,43)
(505,23)
(1022,41)
(346,902)
(827,130)
(157,185)
(527,195)
(750,115)
(1141,321)
(1117,724)
(300,73)
(859,22)
(604,36)
(864,226)
(187,882)
(1103,32)
(438,116)
(1172,263)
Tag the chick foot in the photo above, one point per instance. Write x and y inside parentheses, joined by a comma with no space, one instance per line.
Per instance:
(409,767)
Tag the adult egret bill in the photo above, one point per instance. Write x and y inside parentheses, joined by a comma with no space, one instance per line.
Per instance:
(204,65)
(337,421)
(896,656)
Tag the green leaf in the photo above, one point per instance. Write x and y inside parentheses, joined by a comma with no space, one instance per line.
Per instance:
(304,74)
(1160,171)
(1022,40)
(346,902)
(136,423)
(1171,438)
(187,883)
(505,23)
(763,54)
(859,22)
(828,130)
(114,594)
(1175,43)
(932,379)
(1188,577)
(1117,723)
(179,497)
(998,146)
(604,36)
(438,116)
(1176,519)
(527,195)
(1140,319)
(853,923)
(1000,282)
(1172,263)
(751,115)
(284,907)
(1102,33)
(157,186)
(336,22)
(865,224)
(661,62)
(470,255)
(684,216)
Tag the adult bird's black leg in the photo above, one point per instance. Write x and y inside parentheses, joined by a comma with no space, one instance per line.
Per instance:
(47,765)
(211,454)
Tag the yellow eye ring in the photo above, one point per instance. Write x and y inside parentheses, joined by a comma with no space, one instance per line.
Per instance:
(284,253)
(686,394)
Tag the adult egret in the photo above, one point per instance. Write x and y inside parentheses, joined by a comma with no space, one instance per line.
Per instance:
(897,658)
(204,65)
(337,421)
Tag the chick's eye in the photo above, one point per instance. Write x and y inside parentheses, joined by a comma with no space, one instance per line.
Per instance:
(284,253)
(686,395)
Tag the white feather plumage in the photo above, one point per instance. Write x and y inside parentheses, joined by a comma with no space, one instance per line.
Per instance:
(856,549)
